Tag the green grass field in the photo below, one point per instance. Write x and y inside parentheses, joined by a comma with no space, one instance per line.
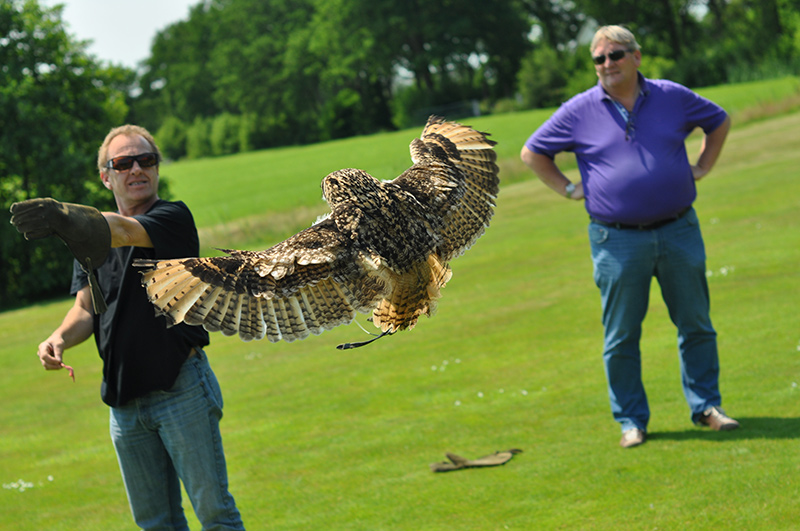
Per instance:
(321,439)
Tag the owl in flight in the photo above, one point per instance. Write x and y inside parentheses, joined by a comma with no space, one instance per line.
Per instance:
(384,248)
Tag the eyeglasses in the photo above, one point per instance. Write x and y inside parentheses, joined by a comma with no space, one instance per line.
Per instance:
(145,160)
(615,56)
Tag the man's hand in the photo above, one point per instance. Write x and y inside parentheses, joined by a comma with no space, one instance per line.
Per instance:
(50,354)
(577,195)
(82,228)
(698,172)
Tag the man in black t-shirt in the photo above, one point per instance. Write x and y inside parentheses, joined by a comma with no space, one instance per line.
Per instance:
(165,402)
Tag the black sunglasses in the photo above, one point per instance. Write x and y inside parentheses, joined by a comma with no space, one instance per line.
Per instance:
(616,55)
(145,160)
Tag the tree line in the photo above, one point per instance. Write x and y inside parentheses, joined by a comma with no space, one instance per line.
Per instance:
(240,75)
(251,74)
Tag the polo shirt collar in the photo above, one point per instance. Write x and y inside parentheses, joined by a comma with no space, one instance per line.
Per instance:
(644,88)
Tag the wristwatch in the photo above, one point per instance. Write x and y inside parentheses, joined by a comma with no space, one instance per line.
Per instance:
(570,188)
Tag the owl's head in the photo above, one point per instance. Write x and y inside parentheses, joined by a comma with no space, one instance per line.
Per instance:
(349,186)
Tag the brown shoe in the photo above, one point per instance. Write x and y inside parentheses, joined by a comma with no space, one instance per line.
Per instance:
(632,437)
(716,419)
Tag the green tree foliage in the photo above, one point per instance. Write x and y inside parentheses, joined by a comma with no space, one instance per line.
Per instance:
(709,40)
(300,71)
(356,71)
(559,23)
(198,138)
(264,68)
(178,79)
(754,39)
(310,70)
(224,134)
(56,106)
(452,46)
(542,78)
(171,138)
(418,57)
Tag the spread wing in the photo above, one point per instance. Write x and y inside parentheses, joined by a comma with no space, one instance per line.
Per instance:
(456,177)
(309,283)
(385,248)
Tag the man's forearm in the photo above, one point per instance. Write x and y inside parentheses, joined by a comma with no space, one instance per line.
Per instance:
(548,172)
(78,325)
(711,148)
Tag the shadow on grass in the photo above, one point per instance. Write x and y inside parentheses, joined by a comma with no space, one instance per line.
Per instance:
(750,428)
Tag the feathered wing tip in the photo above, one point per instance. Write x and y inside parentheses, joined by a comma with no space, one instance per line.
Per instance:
(463,137)
(471,153)
(181,296)
(178,291)
(404,306)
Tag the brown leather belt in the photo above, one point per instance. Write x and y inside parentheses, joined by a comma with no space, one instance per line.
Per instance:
(192,353)
(645,226)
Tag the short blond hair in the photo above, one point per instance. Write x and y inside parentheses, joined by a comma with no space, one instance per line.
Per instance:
(618,34)
(128,130)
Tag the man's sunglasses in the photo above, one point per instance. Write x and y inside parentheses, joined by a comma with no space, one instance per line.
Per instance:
(145,160)
(615,56)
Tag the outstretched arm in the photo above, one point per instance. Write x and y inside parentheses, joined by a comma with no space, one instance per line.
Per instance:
(89,234)
(126,231)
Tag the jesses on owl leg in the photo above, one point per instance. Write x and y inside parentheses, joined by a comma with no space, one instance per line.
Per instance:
(345,346)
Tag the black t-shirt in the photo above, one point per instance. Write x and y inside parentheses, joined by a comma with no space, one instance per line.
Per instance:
(140,354)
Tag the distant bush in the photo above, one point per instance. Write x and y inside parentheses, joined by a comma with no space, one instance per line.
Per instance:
(542,78)
(171,138)
(198,139)
(224,134)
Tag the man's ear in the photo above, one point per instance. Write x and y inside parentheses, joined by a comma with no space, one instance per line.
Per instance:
(105,179)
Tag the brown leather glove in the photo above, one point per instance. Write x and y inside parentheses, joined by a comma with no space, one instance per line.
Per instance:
(82,228)
(457,462)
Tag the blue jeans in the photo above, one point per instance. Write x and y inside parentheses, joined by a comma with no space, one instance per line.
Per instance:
(625,261)
(170,436)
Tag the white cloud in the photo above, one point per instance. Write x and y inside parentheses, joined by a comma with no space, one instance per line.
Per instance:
(122,31)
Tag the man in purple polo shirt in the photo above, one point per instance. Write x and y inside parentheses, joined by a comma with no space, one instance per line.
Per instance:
(628,136)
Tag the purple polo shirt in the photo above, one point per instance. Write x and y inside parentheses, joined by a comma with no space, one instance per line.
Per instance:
(646,177)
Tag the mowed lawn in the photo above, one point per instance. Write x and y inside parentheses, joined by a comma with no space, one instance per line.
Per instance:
(322,439)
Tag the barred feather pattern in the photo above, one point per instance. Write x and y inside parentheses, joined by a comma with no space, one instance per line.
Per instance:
(472,155)
(384,249)
(181,296)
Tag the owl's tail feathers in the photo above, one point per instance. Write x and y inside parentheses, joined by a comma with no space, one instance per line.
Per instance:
(415,293)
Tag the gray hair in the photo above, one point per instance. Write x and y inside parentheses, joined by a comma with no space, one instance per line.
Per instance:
(127,130)
(618,34)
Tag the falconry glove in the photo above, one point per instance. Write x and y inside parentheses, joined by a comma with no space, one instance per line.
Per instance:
(82,228)
(457,462)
